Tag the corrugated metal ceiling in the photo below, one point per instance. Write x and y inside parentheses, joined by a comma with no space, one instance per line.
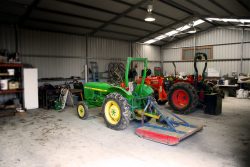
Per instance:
(118,19)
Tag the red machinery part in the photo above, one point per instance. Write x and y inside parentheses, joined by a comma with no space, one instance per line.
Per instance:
(180,98)
(165,135)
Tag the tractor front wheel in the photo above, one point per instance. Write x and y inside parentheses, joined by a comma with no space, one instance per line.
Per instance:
(82,110)
(116,111)
(183,98)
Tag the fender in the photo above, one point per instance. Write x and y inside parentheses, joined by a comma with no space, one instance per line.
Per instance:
(122,91)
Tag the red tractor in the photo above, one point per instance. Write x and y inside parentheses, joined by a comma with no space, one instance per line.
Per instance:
(183,95)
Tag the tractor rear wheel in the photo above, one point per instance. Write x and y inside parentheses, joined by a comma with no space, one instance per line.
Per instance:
(183,98)
(116,111)
(82,110)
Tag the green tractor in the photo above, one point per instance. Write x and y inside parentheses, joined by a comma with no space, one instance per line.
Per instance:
(134,102)
(119,104)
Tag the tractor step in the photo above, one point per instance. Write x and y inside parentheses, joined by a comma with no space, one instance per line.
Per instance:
(165,135)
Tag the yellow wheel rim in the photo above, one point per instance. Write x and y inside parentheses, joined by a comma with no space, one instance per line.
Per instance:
(81,111)
(112,112)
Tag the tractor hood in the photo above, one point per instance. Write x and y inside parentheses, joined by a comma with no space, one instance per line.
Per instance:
(145,90)
(99,86)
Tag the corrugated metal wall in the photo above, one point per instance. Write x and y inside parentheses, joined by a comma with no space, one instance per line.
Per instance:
(226,45)
(147,51)
(103,51)
(64,55)
(54,54)
(7,37)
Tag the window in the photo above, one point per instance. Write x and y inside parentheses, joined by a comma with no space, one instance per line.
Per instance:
(188,53)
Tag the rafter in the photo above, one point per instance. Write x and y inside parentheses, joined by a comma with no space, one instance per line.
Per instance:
(77,26)
(105,11)
(27,13)
(187,10)
(88,18)
(163,28)
(220,6)
(130,9)
(244,5)
(209,28)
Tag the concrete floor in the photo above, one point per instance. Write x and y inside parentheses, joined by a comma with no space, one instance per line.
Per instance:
(45,138)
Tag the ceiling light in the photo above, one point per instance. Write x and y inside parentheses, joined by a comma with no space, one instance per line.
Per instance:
(192,32)
(197,22)
(229,20)
(177,31)
(150,41)
(160,37)
(170,33)
(149,17)
(185,27)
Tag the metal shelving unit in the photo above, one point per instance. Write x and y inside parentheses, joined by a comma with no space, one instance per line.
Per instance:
(6,110)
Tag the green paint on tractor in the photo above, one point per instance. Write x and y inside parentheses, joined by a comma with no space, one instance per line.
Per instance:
(96,92)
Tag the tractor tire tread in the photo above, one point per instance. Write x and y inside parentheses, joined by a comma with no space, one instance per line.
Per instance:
(193,97)
(86,115)
(125,109)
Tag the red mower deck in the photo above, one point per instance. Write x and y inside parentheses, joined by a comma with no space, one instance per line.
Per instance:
(166,136)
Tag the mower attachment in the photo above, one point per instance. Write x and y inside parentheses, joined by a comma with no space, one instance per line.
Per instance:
(173,129)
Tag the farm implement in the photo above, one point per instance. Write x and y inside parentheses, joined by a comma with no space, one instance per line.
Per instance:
(122,104)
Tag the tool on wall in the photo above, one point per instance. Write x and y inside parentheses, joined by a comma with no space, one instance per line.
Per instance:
(94,71)
(116,73)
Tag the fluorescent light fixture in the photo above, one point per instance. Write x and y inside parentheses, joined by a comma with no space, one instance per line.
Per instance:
(170,33)
(213,19)
(229,20)
(150,41)
(185,27)
(197,22)
(192,32)
(160,37)
(244,20)
(176,31)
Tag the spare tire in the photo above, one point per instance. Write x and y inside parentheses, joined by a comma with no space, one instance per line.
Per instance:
(183,98)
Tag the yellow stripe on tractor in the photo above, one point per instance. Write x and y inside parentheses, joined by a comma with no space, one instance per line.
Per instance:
(100,90)
(147,114)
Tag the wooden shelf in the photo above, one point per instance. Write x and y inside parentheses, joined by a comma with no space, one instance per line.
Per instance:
(4,74)
(11,65)
(11,91)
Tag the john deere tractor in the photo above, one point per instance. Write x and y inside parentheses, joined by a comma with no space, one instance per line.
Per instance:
(119,104)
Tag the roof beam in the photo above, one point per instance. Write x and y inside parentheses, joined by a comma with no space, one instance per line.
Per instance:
(130,9)
(223,8)
(201,7)
(220,6)
(209,28)
(27,13)
(163,28)
(12,3)
(141,8)
(106,11)
(88,18)
(243,5)
(155,13)
(188,11)
(77,26)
